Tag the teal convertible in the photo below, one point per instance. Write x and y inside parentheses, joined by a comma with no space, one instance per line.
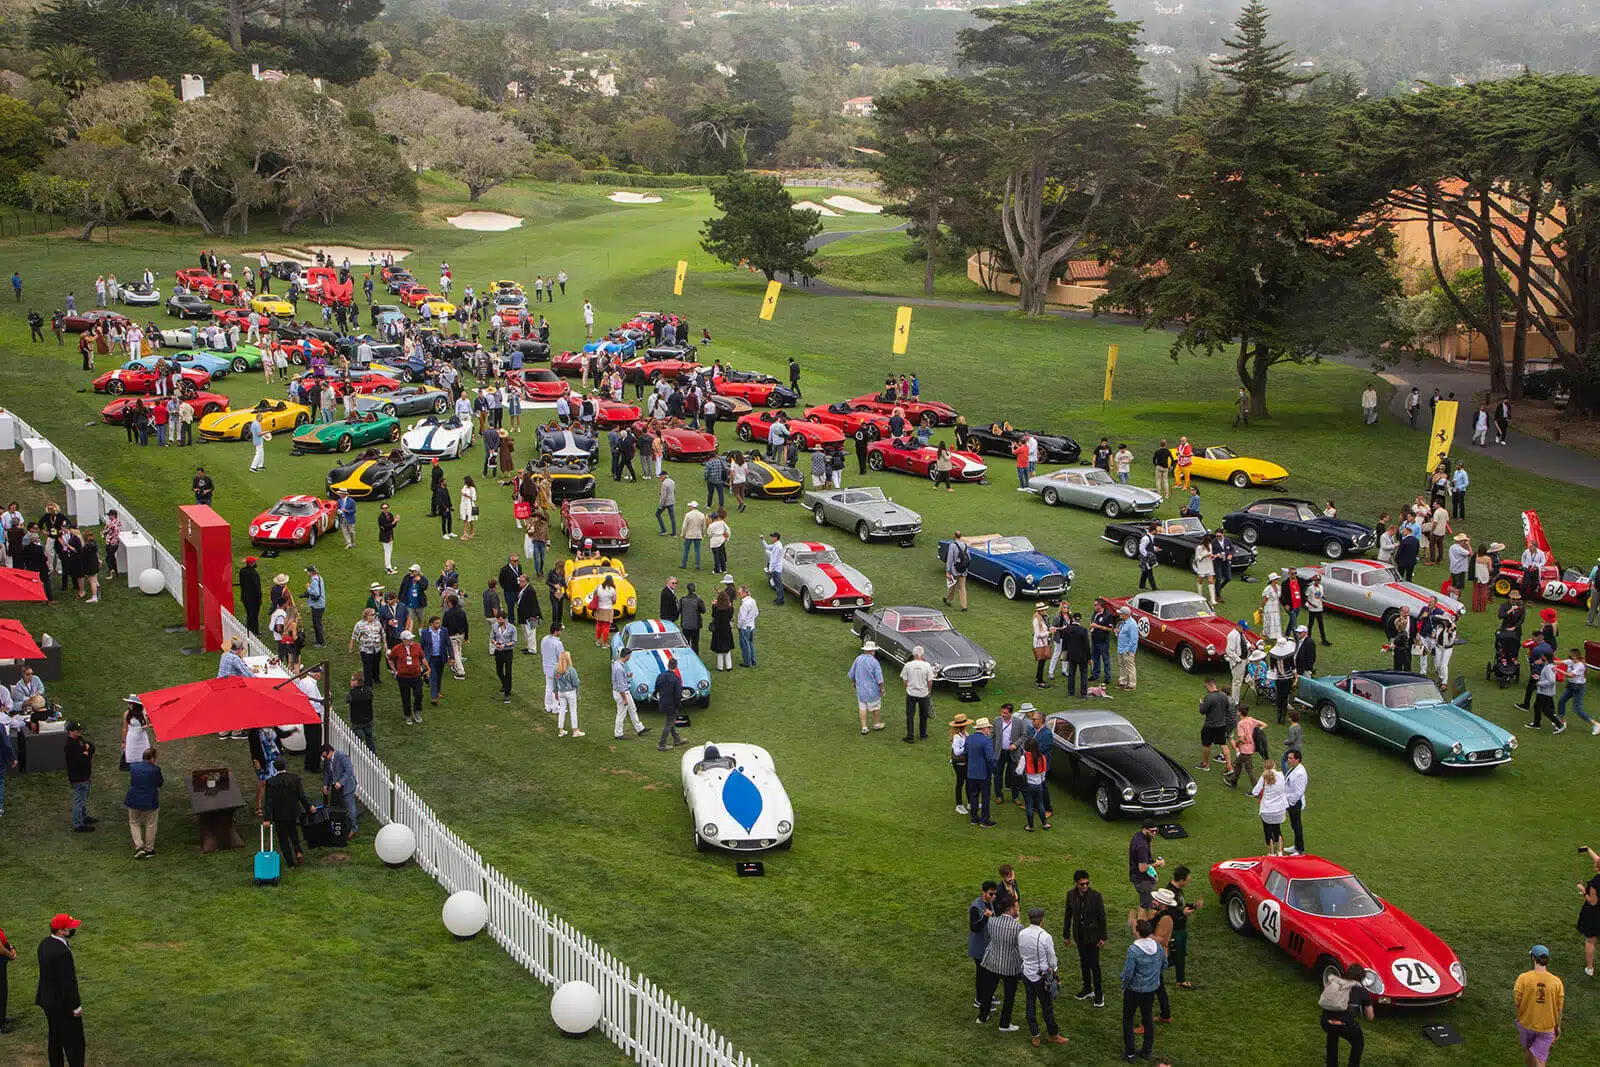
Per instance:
(362,428)
(1407,711)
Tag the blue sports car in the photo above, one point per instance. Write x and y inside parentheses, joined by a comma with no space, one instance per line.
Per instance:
(216,366)
(1284,522)
(1407,711)
(624,349)
(1013,564)
(650,642)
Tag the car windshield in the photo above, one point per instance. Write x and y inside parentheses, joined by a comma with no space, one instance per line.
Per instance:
(1304,513)
(1006,546)
(544,376)
(592,507)
(269,405)
(298,509)
(1379,576)
(1223,452)
(1111,733)
(1339,897)
(1412,695)
(595,571)
(1185,609)
(828,556)
(916,624)
(1097,477)
(645,641)
(863,496)
(1188,525)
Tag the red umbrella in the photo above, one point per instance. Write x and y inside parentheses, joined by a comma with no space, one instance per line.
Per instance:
(16,642)
(226,704)
(18,584)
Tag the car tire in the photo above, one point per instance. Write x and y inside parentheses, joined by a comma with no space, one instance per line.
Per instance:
(115,387)
(1239,480)
(743,432)
(240,365)
(773,400)
(806,603)
(875,461)
(801,442)
(345,443)
(1419,753)
(1502,587)
(388,409)
(786,844)
(1249,535)
(1327,967)
(1105,801)
(864,532)
(873,432)
(1333,548)
(700,844)
(1186,657)
(1388,618)
(933,475)
(439,406)
(818,517)
(311,538)
(1051,497)
(1008,586)
(210,409)
(302,419)
(1236,912)
(655,376)
(1328,716)
(1111,509)
(394,434)
(1130,547)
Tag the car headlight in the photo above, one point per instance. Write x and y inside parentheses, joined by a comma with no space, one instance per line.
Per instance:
(877,524)
(1028,579)
(1511,743)
(704,686)
(1191,789)
(1127,794)
(1372,982)
(785,826)
(642,689)
(624,529)
(818,590)
(254,529)
(1211,650)
(633,602)
(709,831)
(866,587)
(299,535)
(937,670)
(1456,749)
(1458,972)
(988,664)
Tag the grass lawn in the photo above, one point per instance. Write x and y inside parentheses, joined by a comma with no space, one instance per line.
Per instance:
(876,263)
(852,948)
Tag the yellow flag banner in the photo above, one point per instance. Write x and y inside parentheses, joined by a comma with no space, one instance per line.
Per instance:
(769,303)
(902,329)
(677,282)
(1111,370)
(1444,433)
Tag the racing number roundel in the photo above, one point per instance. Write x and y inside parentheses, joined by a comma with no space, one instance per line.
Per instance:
(1269,918)
(1415,975)
(1554,590)
(1144,627)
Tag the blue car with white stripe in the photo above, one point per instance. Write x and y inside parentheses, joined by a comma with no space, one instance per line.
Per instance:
(623,349)
(651,642)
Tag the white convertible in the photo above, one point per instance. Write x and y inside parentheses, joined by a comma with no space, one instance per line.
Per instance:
(447,438)
(735,798)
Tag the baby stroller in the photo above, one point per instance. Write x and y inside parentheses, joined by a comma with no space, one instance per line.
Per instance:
(1505,666)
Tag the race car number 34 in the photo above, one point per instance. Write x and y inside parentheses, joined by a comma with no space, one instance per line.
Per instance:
(1415,975)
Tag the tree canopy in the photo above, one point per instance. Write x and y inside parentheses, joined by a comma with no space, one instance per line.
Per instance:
(760,226)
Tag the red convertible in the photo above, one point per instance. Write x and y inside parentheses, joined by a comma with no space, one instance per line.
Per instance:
(542,384)
(414,296)
(236,316)
(1179,623)
(79,321)
(1570,586)
(596,519)
(757,425)
(143,382)
(360,381)
(653,370)
(204,403)
(683,444)
(568,364)
(919,460)
(293,521)
(761,390)
(1323,917)
(296,349)
(884,404)
(862,425)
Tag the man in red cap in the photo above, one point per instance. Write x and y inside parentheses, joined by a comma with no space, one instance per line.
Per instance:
(58,993)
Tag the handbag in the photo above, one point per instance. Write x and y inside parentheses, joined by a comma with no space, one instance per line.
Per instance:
(1041,652)
(520,510)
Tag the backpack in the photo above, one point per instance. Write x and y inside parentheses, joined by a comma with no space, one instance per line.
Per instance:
(1259,737)
(963,557)
(1336,994)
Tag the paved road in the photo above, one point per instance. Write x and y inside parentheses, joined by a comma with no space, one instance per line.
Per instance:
(838,235)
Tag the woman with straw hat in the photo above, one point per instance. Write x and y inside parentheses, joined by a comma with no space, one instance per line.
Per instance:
(1042,638)
(958,757)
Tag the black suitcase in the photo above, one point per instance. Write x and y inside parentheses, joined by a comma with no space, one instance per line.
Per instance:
(318,829)
(338,827)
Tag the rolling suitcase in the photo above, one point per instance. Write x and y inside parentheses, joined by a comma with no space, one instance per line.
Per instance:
(338,827)
(268,865)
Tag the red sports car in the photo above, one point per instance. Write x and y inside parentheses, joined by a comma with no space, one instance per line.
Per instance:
(760,390)
(1569,586)
(415,296)
(653,370)
(1179,623)
(79,321)
(942,414)
(542,384)
(919,460)
(143,382)
(194,279)
(296,349)
(221,292)
(861,425)
(360,381)
(293,521)
(568,364)
(597,519)
(1321,914)
(611,413)
(203,403)
(685,445)
(240,316)
(757,426)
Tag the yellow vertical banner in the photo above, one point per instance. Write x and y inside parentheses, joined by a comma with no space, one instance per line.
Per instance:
(769,303)
(677,281)
(902,329)
(1111,370)
(1443,435)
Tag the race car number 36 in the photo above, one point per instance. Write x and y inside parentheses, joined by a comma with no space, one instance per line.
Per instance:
(1415,975)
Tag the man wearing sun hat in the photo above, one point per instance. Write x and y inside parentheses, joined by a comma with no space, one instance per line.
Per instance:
(980,769)
(1539,999)
(58,993)
(867,675)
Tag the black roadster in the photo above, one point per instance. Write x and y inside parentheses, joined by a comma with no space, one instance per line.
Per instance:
(376,474)
(1176,540)
(1000,439)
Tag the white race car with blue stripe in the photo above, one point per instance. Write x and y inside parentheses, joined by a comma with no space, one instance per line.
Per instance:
(735,798)
(447,438)
(651,642)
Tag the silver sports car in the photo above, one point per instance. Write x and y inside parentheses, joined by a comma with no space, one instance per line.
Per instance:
(957,660)
(1091,487)
(823,581)
(404,400)
(866,512)
(1374,591)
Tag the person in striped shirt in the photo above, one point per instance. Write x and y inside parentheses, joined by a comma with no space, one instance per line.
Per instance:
(1001,963)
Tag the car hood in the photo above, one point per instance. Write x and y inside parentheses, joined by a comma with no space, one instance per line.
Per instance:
(1214,631)
(945,647)
(837,579)
(886,510)
(691,440)
(1131,493)
(1036,563)
(599,525)
(1140,766)
(1451,723)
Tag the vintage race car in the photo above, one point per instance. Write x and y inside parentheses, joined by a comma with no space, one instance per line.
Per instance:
(194,278)
(509,299)
(285,269)
(1374,591)
(358,431)
(83,321)
(1100,754)
(405,400)
(215,366)
(236,316)
(568,364)
(935,412)
(861,425)
(1013,565)
(1325,919)
(684,445)
(597,520)
(1175,539)
(616,349)
(143,382)
(376,474)
(1407,712)
(735,799)
(759,390)
(757,425)
(864,510)
(1093,488)
(505,285)
(919,459)
(268,304)
(381,315)
(222,291)
(1000,439)
(814,572)
(956,659)
(1559,586)
(1180,624)
(1283,522)
(584,576)
(568,481)
(565,446)
(770,481)
(1223,464)
(398,281)
(275,415)
(542,384)
(204,404)
(651,644)
(444,436)
(293,522)
(139,295)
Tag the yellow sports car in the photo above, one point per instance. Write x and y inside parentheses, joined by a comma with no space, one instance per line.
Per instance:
(440,308)
(1223,464)
(267,304)
(585,576)
(275,415)
(505,285)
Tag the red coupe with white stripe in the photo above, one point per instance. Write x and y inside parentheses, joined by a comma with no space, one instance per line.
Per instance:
(293,522)
(814,572)
(919,460)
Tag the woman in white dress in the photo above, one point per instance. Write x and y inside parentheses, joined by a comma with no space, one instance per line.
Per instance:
(1271,609)
(136,735)
(1204,570)
(1274,807)
(469,508)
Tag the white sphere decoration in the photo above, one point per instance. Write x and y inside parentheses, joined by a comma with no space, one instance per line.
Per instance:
(465,914)
(395,844)
(576,1008)
(292,738)
(44,472)
(152,581)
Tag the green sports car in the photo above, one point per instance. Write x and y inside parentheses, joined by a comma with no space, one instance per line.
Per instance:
(1407,711)
(361,429)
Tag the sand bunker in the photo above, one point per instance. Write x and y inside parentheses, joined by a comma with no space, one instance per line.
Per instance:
(492,221)
(850,203)
(801,205)
(621,197)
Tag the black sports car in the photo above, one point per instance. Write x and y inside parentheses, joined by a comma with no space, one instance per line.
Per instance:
(1000,439)
(957,659)
(382,351)
(294,331)
(404,400)
(284,269)
(188,306)
(1176,540)
(376,474)
(1100,754)
(730,407)
(566,445)
(1284,522)
(399,279)
(770,481)
(568,481)
(533,350)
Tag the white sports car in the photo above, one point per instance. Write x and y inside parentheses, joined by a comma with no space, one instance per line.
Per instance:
(814,572)
(447,438)
(139,295)
(213,337)
(735,799)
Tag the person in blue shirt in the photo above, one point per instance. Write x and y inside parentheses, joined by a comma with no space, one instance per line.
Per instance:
(1127,647)
(413,595)
(144,803)
(316,600)
(867,675)
(233,664)
(1141,975)
(339,783)
(980,771)
(1458,492)
(436,647)
(347,518)
(916,387)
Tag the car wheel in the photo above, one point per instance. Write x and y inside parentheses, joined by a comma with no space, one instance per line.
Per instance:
(743,432)
(1333,548)
(1236,912)
(115,387)
(297,356)
(1420,753)
(1186,657)
(806,602)
(1130,547)
(801,442)
(394,433)
(1009,587)
(700,843)
(302,419)
(345,443)
(1327,968)
(240,365)
(1249,535)
(1502,587)
(655,376)
(1388,618)
(875,461)
(439,406)
(873,432)
(774,400)
(1239,480)
(1328,716)
(1051,497)
(818,517)
(209,409)
(1105,802)
(933,475)
(864,532)
(1111,509)
(388,409)
(786,844)
(311,538)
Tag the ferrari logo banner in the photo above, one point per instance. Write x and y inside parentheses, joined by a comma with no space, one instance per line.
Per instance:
(1111,370)
(677,281)
(769,303)
(902,329)
(1444,433)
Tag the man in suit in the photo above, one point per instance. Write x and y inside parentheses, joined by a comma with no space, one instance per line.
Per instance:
(339,783)
(669,600)
(58,993)
(285,800)
(1305,651)
(509,575)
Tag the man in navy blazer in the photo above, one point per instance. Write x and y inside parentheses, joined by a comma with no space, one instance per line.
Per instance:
(980,769)
(339,783)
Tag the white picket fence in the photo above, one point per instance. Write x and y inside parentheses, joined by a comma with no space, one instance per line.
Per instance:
(638,1016)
